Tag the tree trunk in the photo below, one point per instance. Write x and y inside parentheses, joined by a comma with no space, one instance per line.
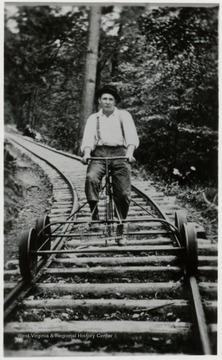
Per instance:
(90,66)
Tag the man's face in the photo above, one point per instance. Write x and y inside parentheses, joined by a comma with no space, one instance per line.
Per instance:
(107,102)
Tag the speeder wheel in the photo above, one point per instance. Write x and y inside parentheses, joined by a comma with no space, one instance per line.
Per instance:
(180,219)
(191,250)
(27,254)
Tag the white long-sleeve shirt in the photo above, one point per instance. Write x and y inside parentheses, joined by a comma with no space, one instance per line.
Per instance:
(110,130)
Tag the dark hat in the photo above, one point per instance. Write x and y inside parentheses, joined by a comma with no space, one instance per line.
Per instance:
(109,89)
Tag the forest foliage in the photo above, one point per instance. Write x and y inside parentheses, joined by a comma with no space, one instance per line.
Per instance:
(164,60)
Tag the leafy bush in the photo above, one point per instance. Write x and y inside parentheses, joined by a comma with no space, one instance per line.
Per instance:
(165,146)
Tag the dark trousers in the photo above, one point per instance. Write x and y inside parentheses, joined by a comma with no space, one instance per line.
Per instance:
(121,178)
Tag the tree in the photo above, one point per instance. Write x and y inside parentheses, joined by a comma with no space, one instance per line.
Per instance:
(90,65)
(164,61)
(167,70)
(44,65)
(185,42)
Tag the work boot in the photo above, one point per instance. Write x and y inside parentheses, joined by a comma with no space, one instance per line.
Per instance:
(95,227)
(121,239)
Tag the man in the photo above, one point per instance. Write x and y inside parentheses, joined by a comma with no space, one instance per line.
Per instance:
(109,132)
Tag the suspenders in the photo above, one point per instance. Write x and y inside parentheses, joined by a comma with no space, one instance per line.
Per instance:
(98,128)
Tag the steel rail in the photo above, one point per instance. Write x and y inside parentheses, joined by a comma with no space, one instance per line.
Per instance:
(198,311)
(195,298)
(22,287)
(159,211)
(200,321)
(76,157)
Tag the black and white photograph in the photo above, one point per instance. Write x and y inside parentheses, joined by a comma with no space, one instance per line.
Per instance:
(110,138)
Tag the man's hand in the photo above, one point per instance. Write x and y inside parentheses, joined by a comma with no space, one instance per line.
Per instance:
(84,160)
(86,155)
(131,159)
(129,154)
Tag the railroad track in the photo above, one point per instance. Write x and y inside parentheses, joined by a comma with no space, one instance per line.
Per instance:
(93,298)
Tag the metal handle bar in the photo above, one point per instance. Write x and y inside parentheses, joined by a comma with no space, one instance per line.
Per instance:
(108,158)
